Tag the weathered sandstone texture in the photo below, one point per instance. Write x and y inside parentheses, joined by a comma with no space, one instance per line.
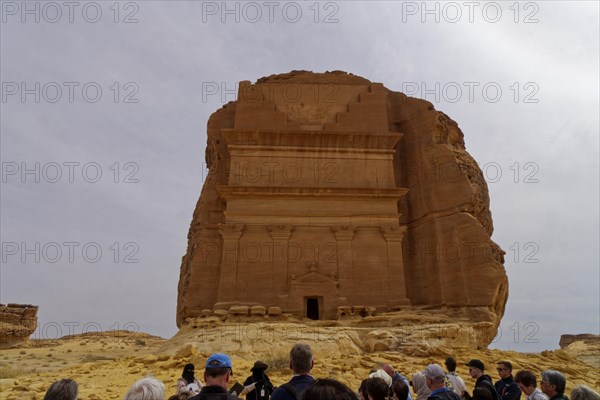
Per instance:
(585,346)
(17,323)
(105,364)
(331,197)
(587,338)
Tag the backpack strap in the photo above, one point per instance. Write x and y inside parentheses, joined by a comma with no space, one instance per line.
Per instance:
(492,389)
(293,391)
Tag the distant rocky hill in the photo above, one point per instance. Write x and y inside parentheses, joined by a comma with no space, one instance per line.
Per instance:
(17,323)
(584,346)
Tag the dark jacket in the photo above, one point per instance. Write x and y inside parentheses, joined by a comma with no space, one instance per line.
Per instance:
(508,389)
(559,396)
(485,381)
(264,386)
(214,393)
(299,382)
(443,394)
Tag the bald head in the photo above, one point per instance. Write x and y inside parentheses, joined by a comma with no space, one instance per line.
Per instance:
(388,369)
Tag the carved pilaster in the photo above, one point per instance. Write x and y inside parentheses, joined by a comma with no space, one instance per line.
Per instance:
(280,234)
(345,270)
(231,234)
(396,280)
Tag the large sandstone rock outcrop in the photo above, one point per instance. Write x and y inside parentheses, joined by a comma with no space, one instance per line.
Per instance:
(17,323)
(328,192)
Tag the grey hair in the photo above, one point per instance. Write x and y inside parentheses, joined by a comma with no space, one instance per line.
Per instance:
(555,378)
(583,392)
(301,357)
(146,389)
(65,389)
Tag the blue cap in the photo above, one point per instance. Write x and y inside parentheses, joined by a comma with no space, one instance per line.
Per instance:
(218,361)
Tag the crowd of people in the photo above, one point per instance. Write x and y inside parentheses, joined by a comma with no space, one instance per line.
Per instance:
(383,383)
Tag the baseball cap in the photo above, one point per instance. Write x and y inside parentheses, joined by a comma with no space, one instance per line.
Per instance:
(434,371)
(218,360)
(475,363)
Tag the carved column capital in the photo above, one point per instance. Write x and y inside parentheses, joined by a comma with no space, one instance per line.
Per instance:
(231,231)
(393,233)
(344,232)
(280,232)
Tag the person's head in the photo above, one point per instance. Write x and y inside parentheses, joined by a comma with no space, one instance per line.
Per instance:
(419,383)
(362,390)
(377,389)
(65,389)
(476,368)
(146,389)
(329,389)
(526,381)
(258,369)
(552,382)
(301,358)
(188,373)
(450,364)
(400,389)
(582,392)
(504,369)
(480,393)
(380,373)
(388,369)
(218,370)
(434,376)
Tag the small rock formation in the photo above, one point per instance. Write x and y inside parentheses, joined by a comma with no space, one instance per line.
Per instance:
(585,346)
(17,323)
(381,340)
(328,193)
(587,338)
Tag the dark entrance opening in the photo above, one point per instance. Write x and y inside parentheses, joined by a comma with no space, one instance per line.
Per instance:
(312,308)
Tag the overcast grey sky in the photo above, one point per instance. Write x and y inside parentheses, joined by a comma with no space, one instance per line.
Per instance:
(104,111)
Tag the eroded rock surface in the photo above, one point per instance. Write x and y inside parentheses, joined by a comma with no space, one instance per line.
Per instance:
(328,193)
(585,346)
(17,323)
(106,364)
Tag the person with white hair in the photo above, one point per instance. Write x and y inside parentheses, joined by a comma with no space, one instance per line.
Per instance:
(435,377)
(146,389)
(582,392)
(419,384)
(553,385)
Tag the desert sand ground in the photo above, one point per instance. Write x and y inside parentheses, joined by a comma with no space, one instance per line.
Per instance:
(106,364)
